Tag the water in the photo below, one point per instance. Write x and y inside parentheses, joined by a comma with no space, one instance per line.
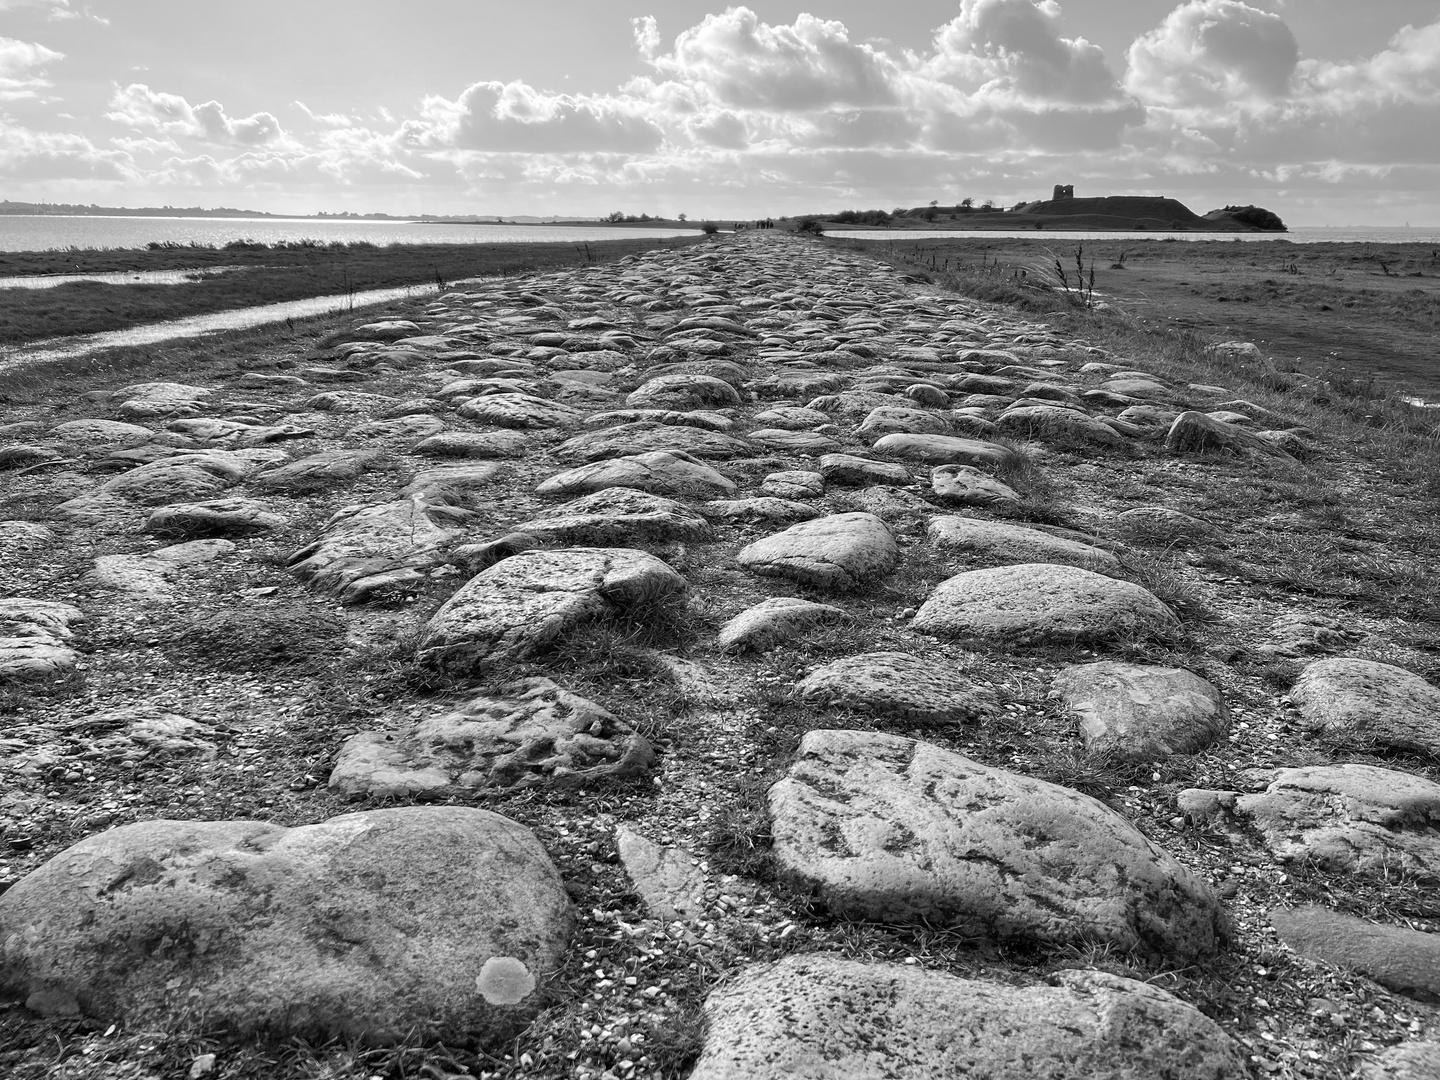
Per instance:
(133,277)
(199,325)
(43,232)
(1356,235)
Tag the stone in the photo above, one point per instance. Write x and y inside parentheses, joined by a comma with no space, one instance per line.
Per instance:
(151,576)
(794,442)
(793,417)
(409,426)
(774,621)
(841,552)
(99,436)
(378,550)
(523,604)
(896,830)
(1042,602)
(146,400)
(1137,387)
(1055,423)
(1398,958)
(531,734)
(520,411)
(1364,704)
(318,472)
(627,440)
(832,1018)
(943,449)
(896,684)
(1195,433)
(1139,712)
(614,514)
(1002,542)
(457,485)
(684,391)
(335,930)
(474,444)
(794,484)
(1300,633)
(665,877)
(663,472)
(760,508)
(848,469)
(35,638)
(893,505)
(386,330)
(888,419)
(1162,525)
(213,517)
(966,485)
(1414,1060)
(143,732)
(1356,819)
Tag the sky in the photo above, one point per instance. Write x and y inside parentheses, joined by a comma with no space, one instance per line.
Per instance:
(1325,111)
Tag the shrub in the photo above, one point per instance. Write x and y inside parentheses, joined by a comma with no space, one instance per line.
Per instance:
(710,228)
(810,226)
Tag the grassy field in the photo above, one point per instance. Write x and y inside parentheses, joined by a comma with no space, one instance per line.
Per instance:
(263,274)
(1352,311)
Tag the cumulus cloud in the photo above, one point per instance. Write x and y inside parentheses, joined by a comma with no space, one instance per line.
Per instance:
(1209,51)
(747,64)
(515,117)
(137,106)
(21,68)
(28,156)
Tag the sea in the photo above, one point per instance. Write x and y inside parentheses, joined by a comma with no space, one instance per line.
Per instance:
(47,232)
(21,232)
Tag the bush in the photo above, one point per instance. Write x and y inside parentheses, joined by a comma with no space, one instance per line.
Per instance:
(1257,216)
(811,227)
(710,228)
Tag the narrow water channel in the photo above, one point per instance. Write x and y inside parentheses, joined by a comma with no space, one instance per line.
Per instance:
(65,348)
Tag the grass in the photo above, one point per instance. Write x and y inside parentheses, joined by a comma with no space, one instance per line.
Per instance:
(263,275)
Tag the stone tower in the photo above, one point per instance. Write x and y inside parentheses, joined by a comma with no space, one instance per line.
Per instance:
(1064,191)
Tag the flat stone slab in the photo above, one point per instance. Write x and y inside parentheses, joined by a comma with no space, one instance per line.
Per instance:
(966,485)
(999,541)
(1139,712)
(942,449)
(152,576)
(664,472)
(683,390)
(849,469)
(520,411)
(317,472)
(793,442)
(614,514)
(146,400)
(890,419)
(213,517)
(1038,602)
(794,484)
(893,684)
(422,921)
(665,877)
(819,1016)
(475,444)
(642,438)
(1418,1059)
(897,830)
(525,602)
(35,638)
(1364,704)
(760,508)
(1057,423)
(841,551)
(379,550)
(534,734)
(775,621)
(1398,958)
(1356,819)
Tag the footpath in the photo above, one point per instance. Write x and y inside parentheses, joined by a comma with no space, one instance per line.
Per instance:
(740,659)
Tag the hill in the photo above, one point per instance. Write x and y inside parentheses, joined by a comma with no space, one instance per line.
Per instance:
(1109,213)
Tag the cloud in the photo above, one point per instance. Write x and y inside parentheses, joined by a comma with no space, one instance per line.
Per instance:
(139,107)
(746,64)
(1212,51)
(21,64)
(516,118)
(28,156)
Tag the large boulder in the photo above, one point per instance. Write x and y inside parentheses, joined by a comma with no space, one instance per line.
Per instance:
(841,551)
(897,830)
(1398,958)
(1364,704)
(525,602)
(821,1017)
(1041,602)
(417,922)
